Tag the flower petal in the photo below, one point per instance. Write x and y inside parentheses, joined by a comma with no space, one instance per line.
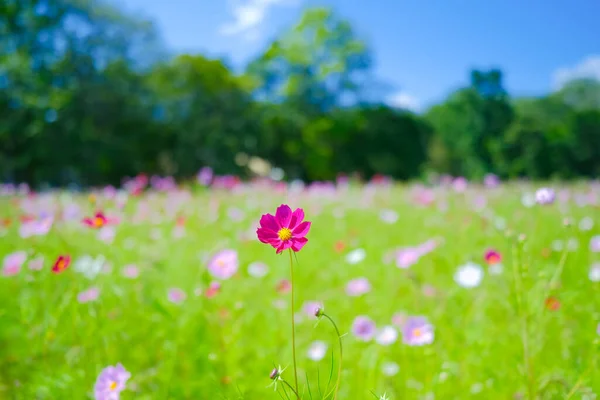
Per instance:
(268,221)
(301,230)
(284,246)
(266,235)
(297,217)
(283,215)
(298,243)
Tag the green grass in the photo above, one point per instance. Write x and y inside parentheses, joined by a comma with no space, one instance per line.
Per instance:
(52,347)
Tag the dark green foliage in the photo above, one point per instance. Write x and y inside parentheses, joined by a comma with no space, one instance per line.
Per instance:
(88,97)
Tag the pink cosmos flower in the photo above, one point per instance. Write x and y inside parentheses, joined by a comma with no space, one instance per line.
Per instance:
(358,287)
(364,328)
(131,271)
(88,295)
(176,295)
(224,264)
(284,230)
(13,262)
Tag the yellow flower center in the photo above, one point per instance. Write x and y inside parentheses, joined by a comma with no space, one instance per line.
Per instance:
(98,221)
(113,385)
(284,234)
(417,332)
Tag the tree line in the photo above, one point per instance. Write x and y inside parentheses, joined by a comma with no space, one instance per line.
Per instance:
(88,96)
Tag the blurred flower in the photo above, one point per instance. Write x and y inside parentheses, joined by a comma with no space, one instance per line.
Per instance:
(37,263)
(107,234)
(61,263)
(545,196)
(283,286)
(224,264)
(594,273)
(13,262)
(36,227)
(390,368)
(205,176)
(417,331)
(552,303)
(407,257)
(213,289)
(528,200)
(111,382)
(88,295)
(284,230)
(399,319)
(469,275)
(97,221)
(358,287)
(257,269)
(388,216)
(88,266)
(176,295)
(317,350)
(460,184)
(130,271)
(339,246)
(356,256)
(586,224)
(494,260)
(491,181)
(363,328)
(386,335)
(595,244)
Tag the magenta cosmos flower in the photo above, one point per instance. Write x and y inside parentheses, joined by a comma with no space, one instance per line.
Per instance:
(284,230)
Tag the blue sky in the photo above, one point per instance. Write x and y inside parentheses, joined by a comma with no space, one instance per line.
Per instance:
(424,48)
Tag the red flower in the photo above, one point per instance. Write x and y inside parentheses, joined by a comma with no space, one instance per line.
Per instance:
(284,230)
(61,263)
(552,303)
(492,257)
(97,221)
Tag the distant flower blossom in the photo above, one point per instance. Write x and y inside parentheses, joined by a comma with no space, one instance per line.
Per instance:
(528,200)
(586,224)
(97,221)
(111,382)
(595,244)
(107,234)
(407,257)
(213,289)
(358,287)
(283,286)
(388,216)
(493,257)
(284,230)
(88,295)
(545,196)
(37,263)
(89,266)
(176,295)
(399,319)
(61,263)
(552,303)
(469,275)
(205,176)
(491,181)
(317,350)
(257,269)
(386,335)
(224,264)
(36,227)
(417,331)
(130,271)
(13,262)
(594,273)
(390,368)
(356,256)
(364,328)
(460,184)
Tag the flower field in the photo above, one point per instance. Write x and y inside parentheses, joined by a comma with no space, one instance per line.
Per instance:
(454,290)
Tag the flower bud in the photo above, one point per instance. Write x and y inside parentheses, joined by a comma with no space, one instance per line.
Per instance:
(319,312)
(274,374)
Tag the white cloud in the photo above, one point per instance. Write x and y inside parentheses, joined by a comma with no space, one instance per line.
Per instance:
(249,15)
(404,100)
(589,67)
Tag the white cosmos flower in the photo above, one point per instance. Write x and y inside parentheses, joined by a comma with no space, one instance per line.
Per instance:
(356,256)
(387,335)
(317,350)
(469,275)
(594,274)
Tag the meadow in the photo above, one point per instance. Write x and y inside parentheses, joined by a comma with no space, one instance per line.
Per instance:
(174,285)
